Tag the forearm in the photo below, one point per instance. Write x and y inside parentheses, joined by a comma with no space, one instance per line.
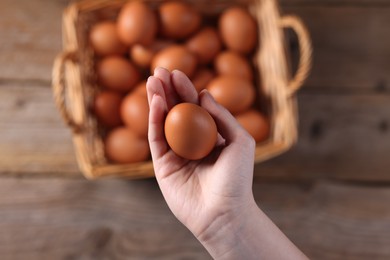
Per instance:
(249,235)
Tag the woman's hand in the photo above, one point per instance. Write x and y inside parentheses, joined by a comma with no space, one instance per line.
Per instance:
(213,196)
(215,188)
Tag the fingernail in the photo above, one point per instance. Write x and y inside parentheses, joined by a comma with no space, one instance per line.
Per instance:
(177,71)
(205,92)
(157,69)
(147,81)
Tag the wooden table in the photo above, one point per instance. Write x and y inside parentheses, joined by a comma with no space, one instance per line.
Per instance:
(330,194)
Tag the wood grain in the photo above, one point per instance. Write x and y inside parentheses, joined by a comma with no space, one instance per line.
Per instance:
(329,220)
(71,219)
(340,136)
(111,219)
(33,138)
(351,47)
(30,38)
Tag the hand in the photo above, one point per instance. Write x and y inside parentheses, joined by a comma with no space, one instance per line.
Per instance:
(213,196)
(214,188)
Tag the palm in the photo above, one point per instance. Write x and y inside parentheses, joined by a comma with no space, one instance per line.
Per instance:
(194,189)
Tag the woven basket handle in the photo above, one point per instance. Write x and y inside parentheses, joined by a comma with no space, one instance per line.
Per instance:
(305,49)
(59,87)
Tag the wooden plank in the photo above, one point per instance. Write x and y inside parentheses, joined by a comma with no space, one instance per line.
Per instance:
(76,219)
(112,219)
(30,38)
(351,47)
(341,136)
(32,137)
(329,220)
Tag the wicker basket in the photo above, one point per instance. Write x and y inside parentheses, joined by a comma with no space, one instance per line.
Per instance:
(74,80)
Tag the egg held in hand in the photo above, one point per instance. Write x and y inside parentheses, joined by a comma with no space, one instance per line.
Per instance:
(190,131)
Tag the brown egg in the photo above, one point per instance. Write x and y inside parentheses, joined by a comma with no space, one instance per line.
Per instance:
(233,64)
(140,89)
(104,39)
(202,78)
(117,73)
(190,131)
(137,23)
(143,55)
(255,123)
(123,146)
(235,94)
(238,30)
(106,108)
(205,44)
(178,20)
(175,57)
(135,113)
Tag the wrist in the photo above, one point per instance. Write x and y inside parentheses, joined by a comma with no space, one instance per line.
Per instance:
(225,237)
(247,233)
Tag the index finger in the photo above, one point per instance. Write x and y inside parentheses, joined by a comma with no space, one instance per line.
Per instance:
(184,87)
(157,111)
